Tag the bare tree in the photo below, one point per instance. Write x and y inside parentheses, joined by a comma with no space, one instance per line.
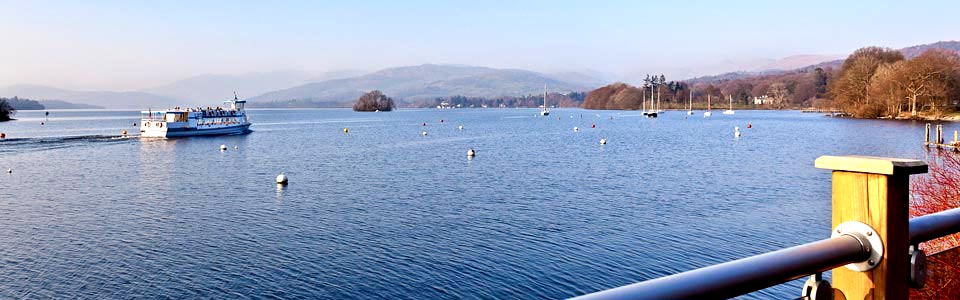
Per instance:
(851,89)
(932,75)
(885,86)
(778,91)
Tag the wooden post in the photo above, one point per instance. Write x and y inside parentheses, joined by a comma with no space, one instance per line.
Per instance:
(874,191)
(939,135)
(926,135)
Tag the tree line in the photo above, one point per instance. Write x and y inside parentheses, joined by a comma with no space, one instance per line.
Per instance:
(9,106)
(572,99)
(880,82)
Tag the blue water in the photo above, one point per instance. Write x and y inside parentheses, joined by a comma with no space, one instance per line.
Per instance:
(383,212)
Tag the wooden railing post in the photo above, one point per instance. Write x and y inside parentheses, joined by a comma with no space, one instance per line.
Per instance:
(874,191)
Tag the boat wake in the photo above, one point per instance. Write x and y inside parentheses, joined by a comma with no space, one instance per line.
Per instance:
(15,145)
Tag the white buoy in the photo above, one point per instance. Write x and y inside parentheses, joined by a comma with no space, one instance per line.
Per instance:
(424,133)
(236,147)
(575,129)
(9,171)
(736,131)
(223,147)
(460,127)
(281,179)
(471,153)
(603,141)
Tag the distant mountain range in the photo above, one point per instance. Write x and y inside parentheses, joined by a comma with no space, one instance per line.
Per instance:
(406,84)
(427,82)
(213,88)
(129,100)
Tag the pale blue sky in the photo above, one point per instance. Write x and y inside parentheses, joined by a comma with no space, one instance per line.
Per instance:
(138,44)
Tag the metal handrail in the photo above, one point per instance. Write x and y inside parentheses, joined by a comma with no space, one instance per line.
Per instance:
(932,226)
(745,275)
(754,273)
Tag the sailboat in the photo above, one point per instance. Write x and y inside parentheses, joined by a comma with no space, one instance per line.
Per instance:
(707,113)
(544,111)
(729,111)
(690,104)
(652,113)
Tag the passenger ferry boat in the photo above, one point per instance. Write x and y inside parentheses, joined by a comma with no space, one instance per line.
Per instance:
(180,122)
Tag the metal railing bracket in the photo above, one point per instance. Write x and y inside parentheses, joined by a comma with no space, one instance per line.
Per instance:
(870,240)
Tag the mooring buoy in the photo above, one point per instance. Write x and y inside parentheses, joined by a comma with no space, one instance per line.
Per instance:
(471,153)
(282,179)
(223,147)
(603,141)
(346,130)
(424,133)
(575,129)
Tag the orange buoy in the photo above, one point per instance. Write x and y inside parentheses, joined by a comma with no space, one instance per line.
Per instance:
(424,123)
(593,126)
(124,132)
(749,125)
(441,120)
(3,135)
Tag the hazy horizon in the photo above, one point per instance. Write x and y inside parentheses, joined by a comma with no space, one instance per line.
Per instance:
(134,46)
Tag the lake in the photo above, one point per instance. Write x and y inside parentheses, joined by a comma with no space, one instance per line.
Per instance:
(383,212)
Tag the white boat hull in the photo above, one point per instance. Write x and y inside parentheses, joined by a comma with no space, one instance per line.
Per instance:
(166,132)
(728,112)
(707,114)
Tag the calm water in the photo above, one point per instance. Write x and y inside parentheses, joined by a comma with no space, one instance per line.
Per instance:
(542,212)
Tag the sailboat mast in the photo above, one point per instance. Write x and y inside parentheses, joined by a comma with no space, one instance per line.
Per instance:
(690,102)
(544,97)
(708,102)
(658,98)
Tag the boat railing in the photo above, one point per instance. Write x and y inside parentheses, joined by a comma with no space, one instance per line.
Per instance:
(873,253)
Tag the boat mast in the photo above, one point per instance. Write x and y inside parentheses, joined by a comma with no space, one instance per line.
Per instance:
(690,102)
(651,96)
(708,102)
(544,97)
(658,98)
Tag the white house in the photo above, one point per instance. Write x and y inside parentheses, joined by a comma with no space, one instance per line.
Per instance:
(761,100)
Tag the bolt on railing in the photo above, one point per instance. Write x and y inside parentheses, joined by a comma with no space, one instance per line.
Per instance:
(873,236)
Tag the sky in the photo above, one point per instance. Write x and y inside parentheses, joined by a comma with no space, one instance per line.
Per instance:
(130,45)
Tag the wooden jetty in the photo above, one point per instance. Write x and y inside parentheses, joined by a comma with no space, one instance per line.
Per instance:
(938,140)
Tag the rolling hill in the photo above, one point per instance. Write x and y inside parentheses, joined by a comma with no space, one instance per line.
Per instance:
(126,100)
(908,52)
(212,88)
(423,82)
